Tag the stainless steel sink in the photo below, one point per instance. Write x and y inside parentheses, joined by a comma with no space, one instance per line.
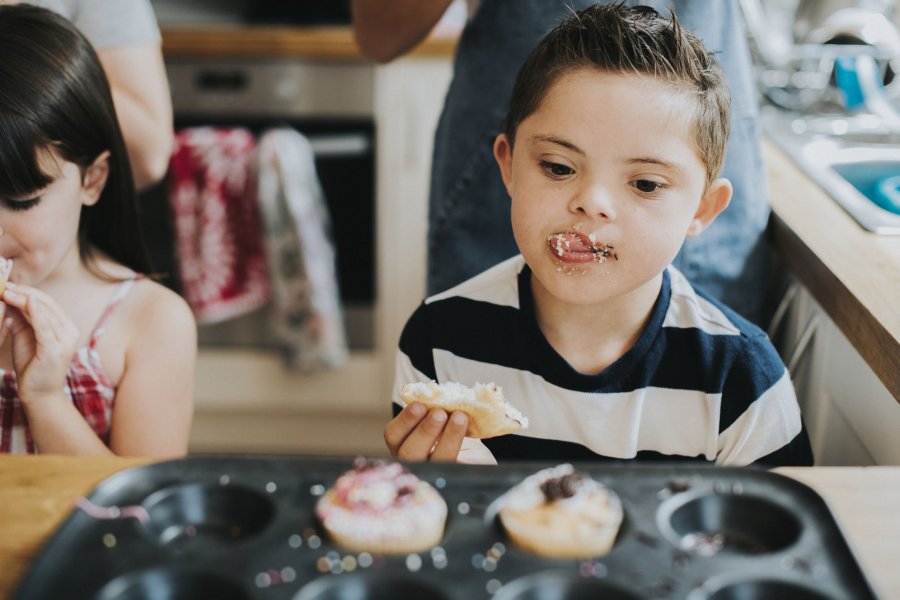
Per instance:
(852,163)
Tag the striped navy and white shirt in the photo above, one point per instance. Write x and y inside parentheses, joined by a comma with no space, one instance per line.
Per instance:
(700,383)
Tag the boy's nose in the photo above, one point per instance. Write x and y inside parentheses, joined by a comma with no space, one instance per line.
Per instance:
(594,201)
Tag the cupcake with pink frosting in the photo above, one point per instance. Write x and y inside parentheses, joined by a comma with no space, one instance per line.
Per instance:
(380,507)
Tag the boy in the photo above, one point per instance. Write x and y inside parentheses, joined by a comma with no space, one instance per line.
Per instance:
(611,150)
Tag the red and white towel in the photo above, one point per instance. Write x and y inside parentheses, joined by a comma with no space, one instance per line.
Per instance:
(306,309)
(218,232)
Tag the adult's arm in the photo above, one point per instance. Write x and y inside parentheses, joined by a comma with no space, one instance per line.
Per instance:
(386,29)
(126,38)
(140,92)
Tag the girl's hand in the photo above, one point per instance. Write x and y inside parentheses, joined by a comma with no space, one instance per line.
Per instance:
(417,434)
(44,339)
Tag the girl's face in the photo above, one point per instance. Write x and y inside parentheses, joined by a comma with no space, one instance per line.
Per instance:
(40,231)
(606,183)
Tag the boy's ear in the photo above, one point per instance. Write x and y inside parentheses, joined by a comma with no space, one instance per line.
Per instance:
(94,179)
(713,202)
(503,156)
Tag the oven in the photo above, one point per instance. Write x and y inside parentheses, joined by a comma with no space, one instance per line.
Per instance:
(372,128)
(330,102)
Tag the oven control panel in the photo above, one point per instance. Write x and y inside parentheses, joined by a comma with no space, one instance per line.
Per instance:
(271,87)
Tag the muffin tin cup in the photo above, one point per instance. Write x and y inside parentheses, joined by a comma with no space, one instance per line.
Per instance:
(709,523)
(370,587)
(198,517)
(172,584)
(561,585)
(763,588)
(245,527)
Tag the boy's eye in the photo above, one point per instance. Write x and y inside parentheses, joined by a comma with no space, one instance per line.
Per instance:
(646,186)
(556,169)
(21,204)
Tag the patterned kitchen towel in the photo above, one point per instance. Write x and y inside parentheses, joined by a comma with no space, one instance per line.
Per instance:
(306,311)
(218,232)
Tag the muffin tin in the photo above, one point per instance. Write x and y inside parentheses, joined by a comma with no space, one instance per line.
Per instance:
(236,528)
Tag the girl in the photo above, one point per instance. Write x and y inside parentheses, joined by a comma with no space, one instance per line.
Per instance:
(94,358)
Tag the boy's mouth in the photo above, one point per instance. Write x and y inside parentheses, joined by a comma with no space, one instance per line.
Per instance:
(577,247)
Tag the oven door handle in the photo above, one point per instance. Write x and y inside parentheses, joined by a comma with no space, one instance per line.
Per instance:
(340,145)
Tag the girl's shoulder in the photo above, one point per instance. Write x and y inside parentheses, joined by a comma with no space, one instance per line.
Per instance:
(153,305)
(156,329)
(144,324)
(148,300)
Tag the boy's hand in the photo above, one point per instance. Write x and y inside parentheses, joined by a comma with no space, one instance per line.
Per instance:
(417,434)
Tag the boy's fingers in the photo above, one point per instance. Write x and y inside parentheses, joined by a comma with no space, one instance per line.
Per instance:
(399,428)
(448,446)
(419,443)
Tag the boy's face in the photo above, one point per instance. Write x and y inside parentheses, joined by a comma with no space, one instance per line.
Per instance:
(606,183)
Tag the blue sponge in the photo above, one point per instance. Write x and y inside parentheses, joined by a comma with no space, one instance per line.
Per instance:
(887,194)
(847,79)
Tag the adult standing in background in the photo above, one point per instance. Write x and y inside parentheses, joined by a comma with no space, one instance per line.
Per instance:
(469,210)
(126,37)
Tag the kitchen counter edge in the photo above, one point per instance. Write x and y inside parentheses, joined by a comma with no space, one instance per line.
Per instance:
(853,274)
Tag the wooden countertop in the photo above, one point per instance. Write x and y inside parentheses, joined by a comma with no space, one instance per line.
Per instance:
(853,274)
(246,41)
(38,491)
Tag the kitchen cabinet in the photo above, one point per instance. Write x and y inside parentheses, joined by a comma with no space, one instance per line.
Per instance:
(841,333)
(851,417)
(853,274)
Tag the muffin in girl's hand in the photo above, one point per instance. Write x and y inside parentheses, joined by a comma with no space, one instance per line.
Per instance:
(561,513)
(6,266)
(381,507)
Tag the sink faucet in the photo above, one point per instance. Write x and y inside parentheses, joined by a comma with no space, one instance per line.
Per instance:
(846,42)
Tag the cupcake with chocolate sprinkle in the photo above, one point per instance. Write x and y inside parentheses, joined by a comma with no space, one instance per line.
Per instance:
(561,513)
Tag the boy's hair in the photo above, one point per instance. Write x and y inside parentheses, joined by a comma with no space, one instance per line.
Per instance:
(620,39)
(54,95)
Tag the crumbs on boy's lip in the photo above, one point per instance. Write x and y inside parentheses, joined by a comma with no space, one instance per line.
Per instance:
(576,242)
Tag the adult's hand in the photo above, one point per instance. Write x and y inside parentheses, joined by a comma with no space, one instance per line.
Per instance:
(140,90)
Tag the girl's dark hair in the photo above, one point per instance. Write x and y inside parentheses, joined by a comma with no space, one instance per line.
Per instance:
(54,95)
(619,39)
